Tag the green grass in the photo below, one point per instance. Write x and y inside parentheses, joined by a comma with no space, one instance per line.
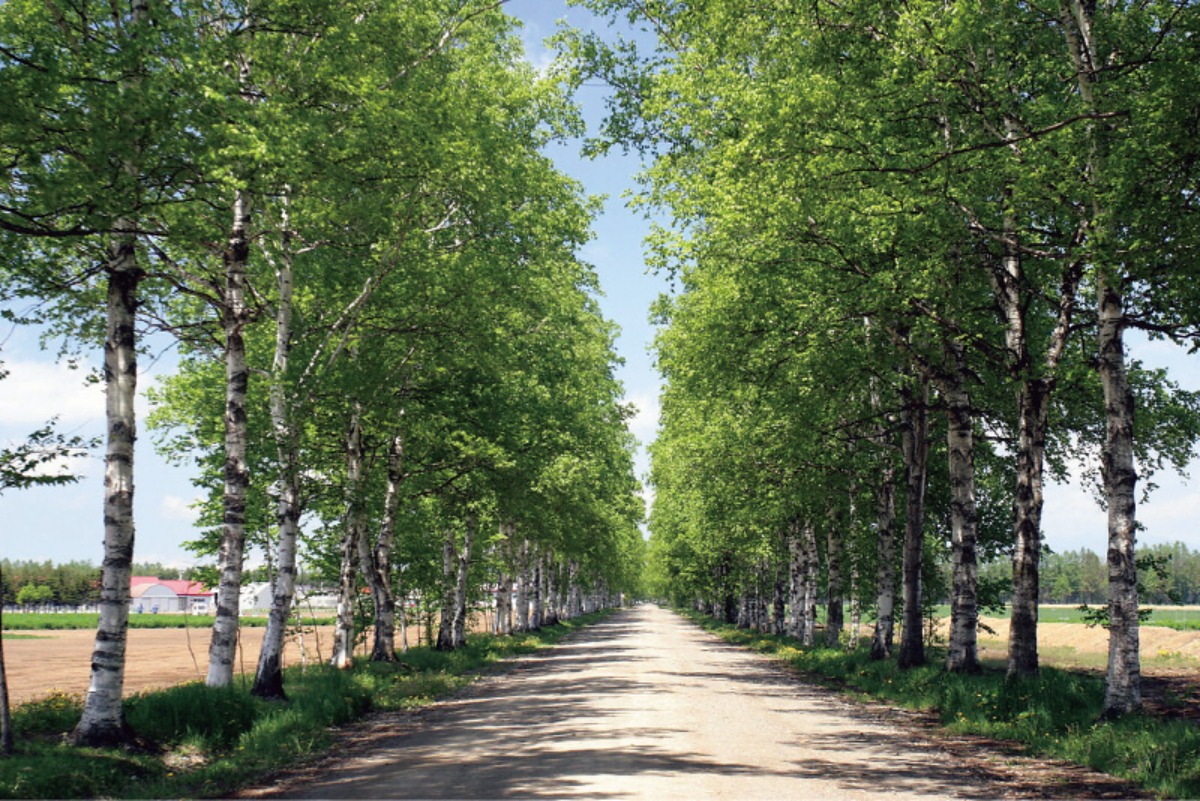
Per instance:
(211,742)
(1055,714)
(31,621)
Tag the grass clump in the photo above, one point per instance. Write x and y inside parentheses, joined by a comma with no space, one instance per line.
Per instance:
(212,718)
(1056,713)
(212,741)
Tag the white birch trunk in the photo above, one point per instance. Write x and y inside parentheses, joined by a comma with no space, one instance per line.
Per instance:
(795,550)
(1033,402)
(835,600)
(351,545)
(504,582)
(445,635)
(377,563)
(575,601)
(1027,500)
(268,676)
(102,722)
(459,628)
(535,601)
(885,539)
(779,595)
(855,606)
(1123,689)
(223,647)
(962,651)
(503,596)
(522,623)
(811,567)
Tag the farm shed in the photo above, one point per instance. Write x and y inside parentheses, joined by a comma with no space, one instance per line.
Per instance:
(148,594)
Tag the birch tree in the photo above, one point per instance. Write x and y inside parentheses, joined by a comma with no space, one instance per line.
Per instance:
(85,175)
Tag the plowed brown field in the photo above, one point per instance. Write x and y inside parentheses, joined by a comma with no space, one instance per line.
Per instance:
(59,660)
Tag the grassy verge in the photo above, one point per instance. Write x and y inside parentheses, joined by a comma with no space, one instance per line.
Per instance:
(36,621)
(1054,714)
(210,742)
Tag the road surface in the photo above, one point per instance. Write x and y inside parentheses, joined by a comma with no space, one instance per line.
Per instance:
(642,705)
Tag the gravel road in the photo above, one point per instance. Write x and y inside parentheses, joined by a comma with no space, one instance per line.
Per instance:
(643,705)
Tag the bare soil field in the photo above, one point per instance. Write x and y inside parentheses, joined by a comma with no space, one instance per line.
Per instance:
(58,660)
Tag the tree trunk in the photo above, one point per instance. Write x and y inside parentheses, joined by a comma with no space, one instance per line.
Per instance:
(549,613)
(351,545)
(445,635)
(1123,690)
(835,603)
(885,579)
(223,647)
(575,601)
(1031,443)
(459,629)
(916,453)
(855,606)
(535,602)
(779,596)
(504,582)
(962,651)
(1033,401)
(102,722)
(811,567)
(503,604)
(795,549)
(377,563)
(268,677)
(7,743)
(522,623)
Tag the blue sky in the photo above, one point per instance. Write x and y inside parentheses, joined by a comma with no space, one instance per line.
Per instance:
(65,523)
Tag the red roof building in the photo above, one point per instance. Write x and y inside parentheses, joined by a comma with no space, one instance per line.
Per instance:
(148,594)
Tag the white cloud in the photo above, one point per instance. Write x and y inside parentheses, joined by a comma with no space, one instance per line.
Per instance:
(172,507)
(81,465)
(34,392)
(1073,519)
(644,423)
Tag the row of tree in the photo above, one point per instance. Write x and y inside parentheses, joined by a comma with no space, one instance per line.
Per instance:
(391,358)
(1167,574)
(71,583)
(911,241)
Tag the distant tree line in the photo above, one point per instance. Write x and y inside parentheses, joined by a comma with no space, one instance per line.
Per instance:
(1167,574)
(71,583)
